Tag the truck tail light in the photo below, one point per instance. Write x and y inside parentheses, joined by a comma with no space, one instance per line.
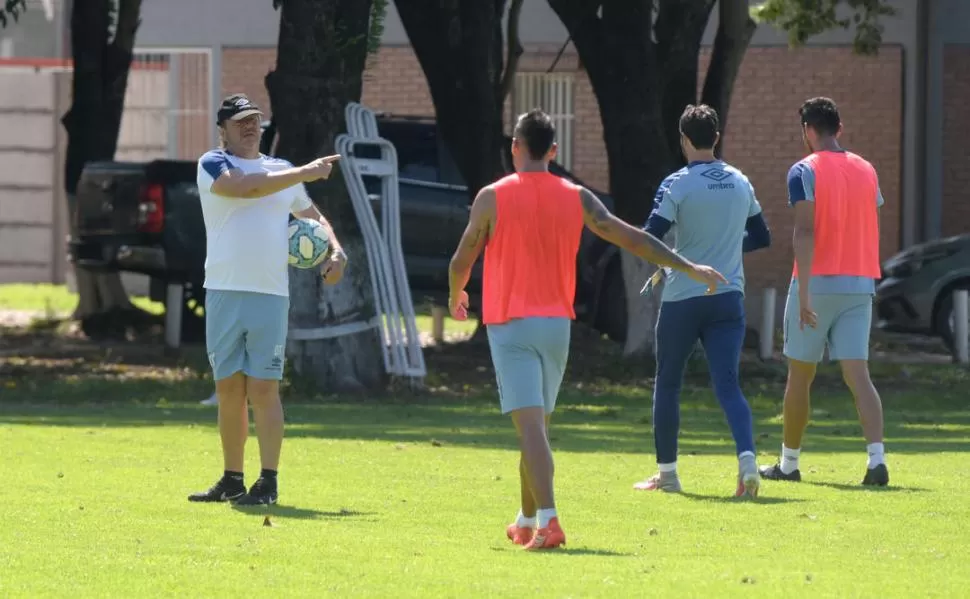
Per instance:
(151,208)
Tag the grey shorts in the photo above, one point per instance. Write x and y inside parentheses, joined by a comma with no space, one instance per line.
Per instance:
(530,356)
(246,332)
(844,323)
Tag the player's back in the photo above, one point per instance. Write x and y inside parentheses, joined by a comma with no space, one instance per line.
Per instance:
(847,198)
(713,201)
(530,257)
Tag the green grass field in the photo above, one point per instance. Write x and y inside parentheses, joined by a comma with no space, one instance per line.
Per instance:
(408,496)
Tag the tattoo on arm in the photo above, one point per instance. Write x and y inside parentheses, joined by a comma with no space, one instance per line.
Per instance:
(644,245)
(597,216)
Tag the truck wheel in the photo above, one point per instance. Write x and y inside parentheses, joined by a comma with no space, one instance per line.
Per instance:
(611,307)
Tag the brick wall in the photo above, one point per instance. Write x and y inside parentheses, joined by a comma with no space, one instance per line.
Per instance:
(762,137)
(956,152)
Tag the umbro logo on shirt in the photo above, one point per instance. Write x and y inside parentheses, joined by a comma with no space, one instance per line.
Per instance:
(716,174)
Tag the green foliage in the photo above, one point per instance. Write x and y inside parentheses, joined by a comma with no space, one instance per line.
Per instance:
(802,19)
(11,10)
(378,11)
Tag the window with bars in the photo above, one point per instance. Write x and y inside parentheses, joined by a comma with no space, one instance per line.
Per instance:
(553,93)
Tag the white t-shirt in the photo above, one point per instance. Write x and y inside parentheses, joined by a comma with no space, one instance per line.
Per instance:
(246,239)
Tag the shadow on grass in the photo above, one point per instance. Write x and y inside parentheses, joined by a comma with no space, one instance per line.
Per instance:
(858,487)
(583,424)
(568,551)
(760,500)
(605,405)
(574,551)
(298,513)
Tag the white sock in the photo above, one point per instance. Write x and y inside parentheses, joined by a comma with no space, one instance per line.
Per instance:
(789,459)
(745,455)
(545,515)
(523,522)
(877,455)
(670,468)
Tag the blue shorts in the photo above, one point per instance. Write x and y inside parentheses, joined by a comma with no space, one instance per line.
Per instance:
(530,356)
(246,332)
(844,323)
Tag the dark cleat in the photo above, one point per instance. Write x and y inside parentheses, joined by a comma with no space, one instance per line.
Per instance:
(775,473)
(226,489)
(263,492)
(876,477)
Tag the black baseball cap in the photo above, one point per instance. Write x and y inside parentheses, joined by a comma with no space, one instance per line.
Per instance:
(235,107)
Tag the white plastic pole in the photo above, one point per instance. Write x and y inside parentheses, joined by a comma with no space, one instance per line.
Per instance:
(960,325)
(174,298)
(438,323)
(766,347)
(400,343)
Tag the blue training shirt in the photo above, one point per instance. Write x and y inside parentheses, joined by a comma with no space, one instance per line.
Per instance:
(801,188)
(712,208)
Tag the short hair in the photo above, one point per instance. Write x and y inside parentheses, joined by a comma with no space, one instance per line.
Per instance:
(535,128)
(700,124)
(821,114)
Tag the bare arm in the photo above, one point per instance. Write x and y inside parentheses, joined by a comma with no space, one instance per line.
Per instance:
(803,240)
(236,184)
(472,241)
(640,243)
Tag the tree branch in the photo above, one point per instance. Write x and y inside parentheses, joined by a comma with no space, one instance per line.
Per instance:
(513,50)
(802,20)
(584,26)
(734,32)
(11,9)
(679,30)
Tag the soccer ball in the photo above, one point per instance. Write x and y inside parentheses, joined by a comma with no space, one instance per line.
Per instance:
(309,243)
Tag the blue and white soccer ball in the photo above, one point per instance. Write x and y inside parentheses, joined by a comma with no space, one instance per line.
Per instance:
(309,243)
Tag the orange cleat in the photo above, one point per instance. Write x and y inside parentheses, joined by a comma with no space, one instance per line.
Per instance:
(520,535)
(549,537)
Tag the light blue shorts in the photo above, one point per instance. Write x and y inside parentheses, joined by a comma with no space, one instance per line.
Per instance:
(844,323)
(530,356)
(246,331)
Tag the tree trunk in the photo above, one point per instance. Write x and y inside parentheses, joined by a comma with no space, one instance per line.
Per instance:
(644,72)
(734,32)
(459,46)
(320,63)
(639,160)
(622,68)
(101,45)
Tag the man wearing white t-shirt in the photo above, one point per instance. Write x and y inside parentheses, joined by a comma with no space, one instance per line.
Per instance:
(246,202)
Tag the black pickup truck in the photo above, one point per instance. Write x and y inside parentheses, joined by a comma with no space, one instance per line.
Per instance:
(146,218)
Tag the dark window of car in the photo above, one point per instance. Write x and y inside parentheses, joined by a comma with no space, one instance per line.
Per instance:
(417,149)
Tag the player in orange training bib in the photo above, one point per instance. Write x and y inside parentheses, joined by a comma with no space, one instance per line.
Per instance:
(529,224)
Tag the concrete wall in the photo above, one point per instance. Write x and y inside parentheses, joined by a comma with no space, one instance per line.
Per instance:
(33,219)
(28,176)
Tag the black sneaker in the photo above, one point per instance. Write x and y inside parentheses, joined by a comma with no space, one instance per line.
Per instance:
(263,492)
(775,473)
(227,489)
(876,477)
